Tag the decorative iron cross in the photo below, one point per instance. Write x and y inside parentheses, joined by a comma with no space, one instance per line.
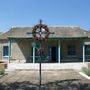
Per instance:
(40,32)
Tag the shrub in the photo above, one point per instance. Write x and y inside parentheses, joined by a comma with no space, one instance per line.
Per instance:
(4,64)
(2,69)
(88,64)
(1,62)
(2,72)
(86,71)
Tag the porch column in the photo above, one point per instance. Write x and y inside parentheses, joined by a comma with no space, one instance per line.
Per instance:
(83,53)
(33,54)
(59,57)
(9,51)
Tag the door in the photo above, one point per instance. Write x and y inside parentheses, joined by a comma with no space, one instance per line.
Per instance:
(53,54)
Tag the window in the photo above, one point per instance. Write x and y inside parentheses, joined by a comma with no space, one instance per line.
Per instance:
(87,49)
(71,50)
(5,50)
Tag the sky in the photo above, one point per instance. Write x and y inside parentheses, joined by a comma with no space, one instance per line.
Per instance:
(19,13)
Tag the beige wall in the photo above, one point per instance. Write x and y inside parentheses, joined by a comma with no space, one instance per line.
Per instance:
(22,50)
(3,43)
(19,50)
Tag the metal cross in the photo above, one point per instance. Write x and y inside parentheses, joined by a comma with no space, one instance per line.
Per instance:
(40,33)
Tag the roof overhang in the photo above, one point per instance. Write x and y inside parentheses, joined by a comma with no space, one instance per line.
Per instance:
(49,39)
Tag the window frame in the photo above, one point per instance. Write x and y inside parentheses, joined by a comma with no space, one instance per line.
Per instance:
(86,51)
(5,51)
(71,50)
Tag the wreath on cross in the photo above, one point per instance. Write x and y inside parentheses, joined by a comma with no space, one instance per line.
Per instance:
(40,32)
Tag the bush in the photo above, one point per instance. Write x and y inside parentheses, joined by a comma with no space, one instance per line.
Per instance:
(2,68)
(88,64)
(86,71)
(1,61)
(2,72)
(4,64)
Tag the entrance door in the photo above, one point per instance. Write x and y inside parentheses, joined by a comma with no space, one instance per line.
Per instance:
(53,54)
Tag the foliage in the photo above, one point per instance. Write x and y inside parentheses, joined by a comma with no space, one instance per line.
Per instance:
(2,68)
(1,61)
(86,71)
(2,72)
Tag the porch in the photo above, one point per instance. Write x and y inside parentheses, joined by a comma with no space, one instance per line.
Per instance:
(56,50)
(45,66)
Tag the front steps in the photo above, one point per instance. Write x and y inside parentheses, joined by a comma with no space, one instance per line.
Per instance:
(45,66)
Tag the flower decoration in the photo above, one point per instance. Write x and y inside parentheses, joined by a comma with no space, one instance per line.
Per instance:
(40,32)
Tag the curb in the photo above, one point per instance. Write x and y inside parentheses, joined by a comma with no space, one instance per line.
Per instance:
(84,75)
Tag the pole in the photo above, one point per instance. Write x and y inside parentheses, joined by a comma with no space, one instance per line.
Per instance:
(40,61)
(40,69)
(59,52)
(40,48)
(83,51)
(9,51)
(33,54)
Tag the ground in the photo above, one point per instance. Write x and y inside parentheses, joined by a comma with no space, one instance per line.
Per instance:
(51,80)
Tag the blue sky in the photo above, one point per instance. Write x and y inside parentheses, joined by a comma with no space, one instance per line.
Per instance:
(52,12)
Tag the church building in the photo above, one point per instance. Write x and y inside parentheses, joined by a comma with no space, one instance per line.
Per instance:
(67,44)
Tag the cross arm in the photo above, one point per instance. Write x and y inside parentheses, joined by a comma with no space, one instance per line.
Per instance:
(29,32)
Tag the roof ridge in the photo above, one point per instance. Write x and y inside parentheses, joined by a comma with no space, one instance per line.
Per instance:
(64,26)
(21,27)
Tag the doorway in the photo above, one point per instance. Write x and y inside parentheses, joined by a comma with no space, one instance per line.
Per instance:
(53,54)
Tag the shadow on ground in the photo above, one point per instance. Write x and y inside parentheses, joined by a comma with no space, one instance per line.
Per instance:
(69,84)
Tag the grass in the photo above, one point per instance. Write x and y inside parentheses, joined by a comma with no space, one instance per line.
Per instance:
(86,71)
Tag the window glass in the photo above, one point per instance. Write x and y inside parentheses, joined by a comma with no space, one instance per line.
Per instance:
(87,50)
(5,50)
(71,50)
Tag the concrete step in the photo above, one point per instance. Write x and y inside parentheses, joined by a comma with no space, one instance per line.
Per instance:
(45,66)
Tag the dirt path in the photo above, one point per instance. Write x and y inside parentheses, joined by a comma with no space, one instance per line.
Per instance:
(51,80)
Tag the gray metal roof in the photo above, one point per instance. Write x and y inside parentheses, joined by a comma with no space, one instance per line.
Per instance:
(59,32)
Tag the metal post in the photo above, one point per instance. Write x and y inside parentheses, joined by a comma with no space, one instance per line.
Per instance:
(83,53)
(33,54)
(40,69)
(9,51)
(40,61)
(40,47)
(59,56)
(40,74)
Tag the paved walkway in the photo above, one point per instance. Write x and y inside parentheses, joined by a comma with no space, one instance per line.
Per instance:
(51,80)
